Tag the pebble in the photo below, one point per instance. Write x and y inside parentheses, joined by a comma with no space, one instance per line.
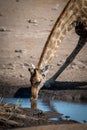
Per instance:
(21,75)
(26,64)
(58,64)
(1,14)
(31,57)
(2,29)
(19,56)
(18,51)
(10,68)
(67,117)
(78,65)
(34,21)
(10,64)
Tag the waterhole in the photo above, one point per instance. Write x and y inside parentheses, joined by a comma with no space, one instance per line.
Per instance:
(70,110)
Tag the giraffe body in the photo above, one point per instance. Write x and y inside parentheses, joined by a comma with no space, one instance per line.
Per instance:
(74,11)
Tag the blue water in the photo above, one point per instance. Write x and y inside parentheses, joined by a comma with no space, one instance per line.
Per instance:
(25,103)
(76,111)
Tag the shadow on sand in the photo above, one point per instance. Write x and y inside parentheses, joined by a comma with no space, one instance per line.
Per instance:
(24,92)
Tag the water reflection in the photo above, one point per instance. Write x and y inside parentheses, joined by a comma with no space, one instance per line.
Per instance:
(34,104)
(74,111)
(25,103)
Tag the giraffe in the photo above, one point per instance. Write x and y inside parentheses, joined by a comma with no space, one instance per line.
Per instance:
(74,12)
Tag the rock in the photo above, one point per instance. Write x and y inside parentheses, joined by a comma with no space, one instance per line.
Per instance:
(26,64)
(67,117)
(34,21)
(51,20)
(2,29)
(19,56)
(21,75)
(78,65)
(1,14)
(31,57)
(18,51)
(58,64)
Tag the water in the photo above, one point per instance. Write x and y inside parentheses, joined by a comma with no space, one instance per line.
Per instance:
(25,103)
(74,111)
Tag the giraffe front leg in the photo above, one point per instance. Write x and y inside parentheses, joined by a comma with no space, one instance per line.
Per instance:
(34,93)
(34,96)
(71,57)
(82,32)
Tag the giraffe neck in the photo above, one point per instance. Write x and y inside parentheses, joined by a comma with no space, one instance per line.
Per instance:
(62,25)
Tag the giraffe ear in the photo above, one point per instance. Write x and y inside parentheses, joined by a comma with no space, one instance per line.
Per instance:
(45,70)
(31,68)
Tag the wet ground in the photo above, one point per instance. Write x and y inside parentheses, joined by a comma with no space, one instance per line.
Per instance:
(14,117)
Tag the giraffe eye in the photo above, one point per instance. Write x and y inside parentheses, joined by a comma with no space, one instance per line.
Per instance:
(38,82)
(43,75)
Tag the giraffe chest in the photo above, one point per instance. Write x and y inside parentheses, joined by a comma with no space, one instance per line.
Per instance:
(82,10)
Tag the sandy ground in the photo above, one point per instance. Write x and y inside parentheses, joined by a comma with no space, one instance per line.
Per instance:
(58,127)
(24,28)
(28,24)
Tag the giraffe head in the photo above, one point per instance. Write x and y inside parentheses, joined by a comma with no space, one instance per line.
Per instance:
(37,79)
